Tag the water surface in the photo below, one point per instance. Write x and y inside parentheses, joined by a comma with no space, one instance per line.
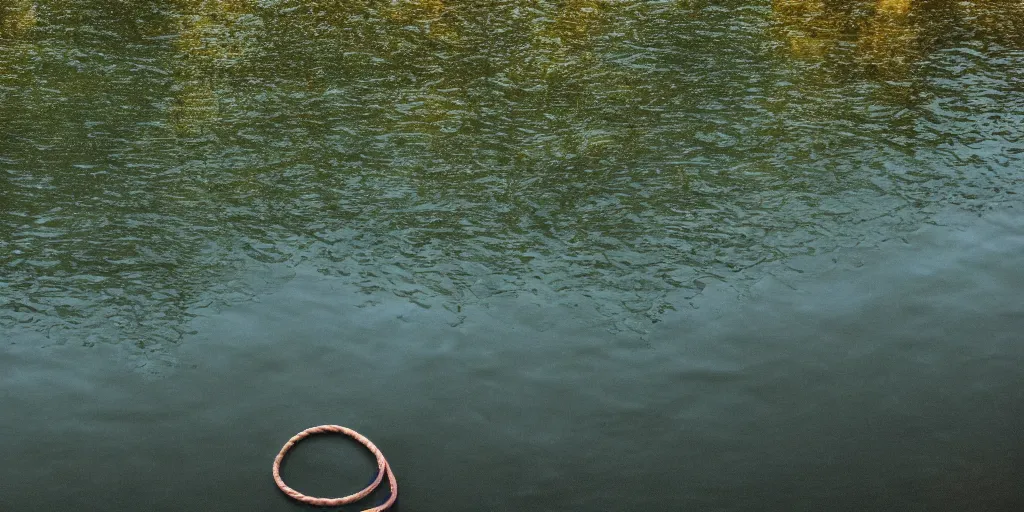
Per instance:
(577,255)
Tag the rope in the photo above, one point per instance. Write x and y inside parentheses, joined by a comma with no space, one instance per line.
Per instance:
(382,466)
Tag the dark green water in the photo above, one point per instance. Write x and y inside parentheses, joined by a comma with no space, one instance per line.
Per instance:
(579,255)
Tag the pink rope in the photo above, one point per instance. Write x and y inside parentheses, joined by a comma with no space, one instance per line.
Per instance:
(382,466)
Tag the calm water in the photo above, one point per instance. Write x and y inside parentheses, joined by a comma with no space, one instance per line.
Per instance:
(579,255)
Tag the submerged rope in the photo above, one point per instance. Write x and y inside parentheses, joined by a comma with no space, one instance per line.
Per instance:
(382,466)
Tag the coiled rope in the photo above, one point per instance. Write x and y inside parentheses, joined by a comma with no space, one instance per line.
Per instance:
(382,466)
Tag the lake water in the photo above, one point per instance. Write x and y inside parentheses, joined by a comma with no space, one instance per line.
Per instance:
(580,255)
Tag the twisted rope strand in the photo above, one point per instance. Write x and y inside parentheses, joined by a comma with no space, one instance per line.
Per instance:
(382,466)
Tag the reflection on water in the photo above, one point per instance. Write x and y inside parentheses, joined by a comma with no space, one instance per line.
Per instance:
(889,38)
(16,18)
(158,158)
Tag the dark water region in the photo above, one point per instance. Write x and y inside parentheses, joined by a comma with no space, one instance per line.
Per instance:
(888,379)
(577,255)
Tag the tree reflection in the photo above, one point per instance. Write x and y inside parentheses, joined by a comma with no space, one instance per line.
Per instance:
(206,45)
(888,43)
(426,15)
(889,37)
(461,148)
(16,18)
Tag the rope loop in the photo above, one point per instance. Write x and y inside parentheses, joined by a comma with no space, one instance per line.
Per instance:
(382,467)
